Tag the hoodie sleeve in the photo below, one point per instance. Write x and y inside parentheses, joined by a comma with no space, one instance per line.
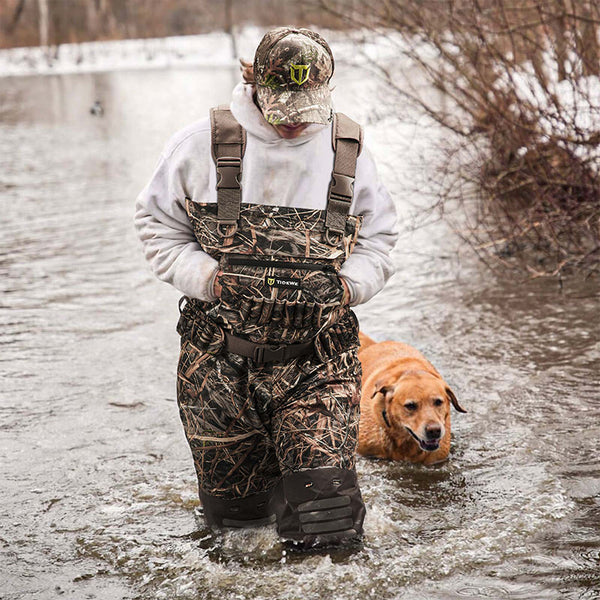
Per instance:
(167,236)
(369,266)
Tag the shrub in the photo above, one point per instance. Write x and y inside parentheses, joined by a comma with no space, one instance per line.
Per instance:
(521,78)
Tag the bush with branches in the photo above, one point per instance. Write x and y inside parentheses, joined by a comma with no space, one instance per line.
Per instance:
(521,78)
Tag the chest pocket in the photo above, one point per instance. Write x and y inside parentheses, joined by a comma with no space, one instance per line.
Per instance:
(286,294)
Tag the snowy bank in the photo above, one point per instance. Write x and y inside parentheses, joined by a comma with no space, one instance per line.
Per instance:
(211,50)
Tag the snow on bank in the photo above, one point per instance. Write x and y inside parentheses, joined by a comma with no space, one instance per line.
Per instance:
(567,111)
(211,50)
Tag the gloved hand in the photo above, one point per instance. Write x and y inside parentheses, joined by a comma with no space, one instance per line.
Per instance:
(346,297)
(216,285)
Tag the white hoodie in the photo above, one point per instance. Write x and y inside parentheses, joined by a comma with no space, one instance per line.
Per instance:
(276,171)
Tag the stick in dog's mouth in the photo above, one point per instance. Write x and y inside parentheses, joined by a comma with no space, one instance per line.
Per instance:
(427,446)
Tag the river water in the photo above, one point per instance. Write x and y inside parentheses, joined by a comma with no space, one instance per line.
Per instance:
(98,490)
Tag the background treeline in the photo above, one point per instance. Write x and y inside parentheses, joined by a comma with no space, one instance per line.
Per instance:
(52,22)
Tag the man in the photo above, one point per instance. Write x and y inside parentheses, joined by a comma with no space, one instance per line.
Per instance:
(268,376)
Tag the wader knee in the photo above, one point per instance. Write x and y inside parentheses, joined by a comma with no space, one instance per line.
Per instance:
(318,507)
(252,511)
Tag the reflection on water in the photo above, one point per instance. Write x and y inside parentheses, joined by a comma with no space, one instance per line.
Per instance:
(99,491)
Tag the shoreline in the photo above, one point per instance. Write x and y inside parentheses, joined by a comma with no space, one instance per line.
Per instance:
(215,49)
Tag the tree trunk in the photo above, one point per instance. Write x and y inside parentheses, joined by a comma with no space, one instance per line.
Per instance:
(229,28)
(43,22)
(16,16)
(559,35)
(590,52)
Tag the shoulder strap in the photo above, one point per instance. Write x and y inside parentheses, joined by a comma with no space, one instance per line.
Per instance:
(228,144)
(346,138)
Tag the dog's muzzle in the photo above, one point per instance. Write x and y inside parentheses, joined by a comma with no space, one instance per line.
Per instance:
(429,445)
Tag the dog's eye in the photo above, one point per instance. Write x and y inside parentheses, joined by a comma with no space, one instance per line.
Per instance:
(410,406)
(438,402)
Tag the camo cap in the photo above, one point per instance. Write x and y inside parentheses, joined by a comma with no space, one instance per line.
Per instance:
(292,69)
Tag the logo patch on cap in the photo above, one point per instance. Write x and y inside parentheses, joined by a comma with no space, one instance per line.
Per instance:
(299,73)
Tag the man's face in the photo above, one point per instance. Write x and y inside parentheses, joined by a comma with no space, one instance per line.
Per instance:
(290,132)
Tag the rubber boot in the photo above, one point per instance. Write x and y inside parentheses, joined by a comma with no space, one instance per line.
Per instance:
(251,511)
(319,507)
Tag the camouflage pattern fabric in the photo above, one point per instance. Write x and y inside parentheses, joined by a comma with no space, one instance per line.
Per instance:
(248,424)
(289,302)
(292,69)
(280,231)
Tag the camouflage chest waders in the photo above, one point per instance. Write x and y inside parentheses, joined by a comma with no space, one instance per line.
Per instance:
(268,378)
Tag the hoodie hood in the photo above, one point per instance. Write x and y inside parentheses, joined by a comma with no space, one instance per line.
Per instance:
(249,116)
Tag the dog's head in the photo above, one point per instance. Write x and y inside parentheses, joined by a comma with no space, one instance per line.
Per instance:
(417,402)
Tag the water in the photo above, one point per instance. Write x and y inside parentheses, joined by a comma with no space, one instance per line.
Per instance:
(98,491)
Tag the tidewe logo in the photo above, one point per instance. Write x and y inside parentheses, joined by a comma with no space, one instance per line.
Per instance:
(283,282)
(299,73)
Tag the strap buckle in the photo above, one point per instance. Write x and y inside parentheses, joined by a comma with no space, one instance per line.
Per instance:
(333,237)
(229,169)
(183,302)
(225,224)
(269,353)
(341,187)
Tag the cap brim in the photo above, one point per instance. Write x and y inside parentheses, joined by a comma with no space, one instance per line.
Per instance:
(282,106)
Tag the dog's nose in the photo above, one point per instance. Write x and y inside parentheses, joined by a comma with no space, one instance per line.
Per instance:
(433,432)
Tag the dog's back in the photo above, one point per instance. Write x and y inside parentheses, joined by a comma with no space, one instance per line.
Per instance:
(375,356)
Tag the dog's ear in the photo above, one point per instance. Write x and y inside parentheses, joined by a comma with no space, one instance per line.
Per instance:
(387,391)
(454,401)
(382,397)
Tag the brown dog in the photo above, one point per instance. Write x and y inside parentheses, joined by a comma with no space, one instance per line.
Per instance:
(405,405)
